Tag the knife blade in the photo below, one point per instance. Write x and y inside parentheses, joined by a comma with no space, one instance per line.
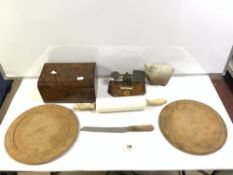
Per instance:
(134,128)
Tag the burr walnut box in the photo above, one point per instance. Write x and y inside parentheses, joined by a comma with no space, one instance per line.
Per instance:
(68,82)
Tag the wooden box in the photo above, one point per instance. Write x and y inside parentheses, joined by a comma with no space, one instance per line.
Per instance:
(68,82)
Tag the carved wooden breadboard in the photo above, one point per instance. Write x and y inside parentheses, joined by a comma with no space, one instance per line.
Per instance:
(41,134)
(193,127)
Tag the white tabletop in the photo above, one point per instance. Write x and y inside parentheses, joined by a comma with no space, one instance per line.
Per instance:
(108,151)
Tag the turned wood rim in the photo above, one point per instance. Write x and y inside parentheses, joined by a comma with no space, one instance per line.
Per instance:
(41,134)
(193,127)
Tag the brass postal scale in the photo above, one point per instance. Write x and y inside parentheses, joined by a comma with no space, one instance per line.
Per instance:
(127,84)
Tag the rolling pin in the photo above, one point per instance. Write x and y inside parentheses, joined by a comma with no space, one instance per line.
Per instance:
(119,104)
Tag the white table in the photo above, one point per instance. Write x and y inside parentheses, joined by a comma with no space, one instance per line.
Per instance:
(108,151)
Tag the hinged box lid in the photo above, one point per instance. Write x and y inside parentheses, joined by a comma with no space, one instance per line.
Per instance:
(80,75)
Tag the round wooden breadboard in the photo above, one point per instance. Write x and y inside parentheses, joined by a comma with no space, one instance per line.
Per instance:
(193,127)
(41,134)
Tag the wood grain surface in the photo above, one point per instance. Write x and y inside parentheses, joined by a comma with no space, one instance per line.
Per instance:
(193,127)
(70,82)
(41,134)
(118,88)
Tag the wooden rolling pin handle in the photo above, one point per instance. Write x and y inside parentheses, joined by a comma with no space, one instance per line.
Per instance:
(140,128)
(84,106)
(156,102)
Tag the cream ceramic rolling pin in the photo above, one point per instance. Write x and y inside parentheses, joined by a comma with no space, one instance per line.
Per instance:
(119,104)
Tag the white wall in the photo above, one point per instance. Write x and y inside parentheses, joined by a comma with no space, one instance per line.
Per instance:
(198,32)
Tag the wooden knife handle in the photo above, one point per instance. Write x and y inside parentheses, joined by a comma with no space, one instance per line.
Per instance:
(139,128)
(84,106)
